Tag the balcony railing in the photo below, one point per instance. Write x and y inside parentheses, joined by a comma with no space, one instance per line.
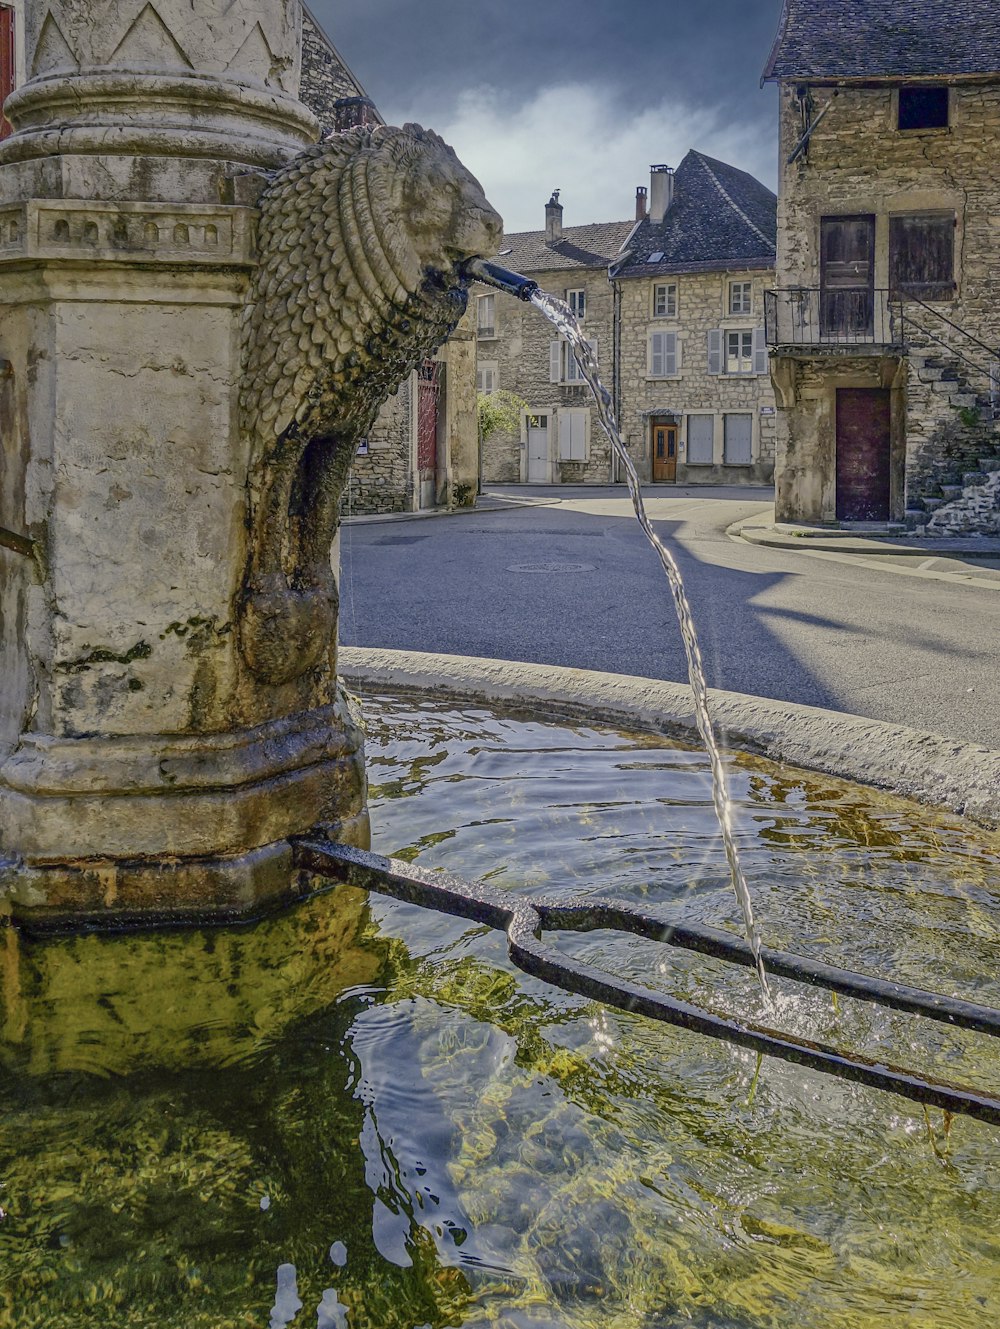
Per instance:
(808,316)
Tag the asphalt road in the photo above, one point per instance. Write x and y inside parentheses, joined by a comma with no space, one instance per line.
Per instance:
(574,582)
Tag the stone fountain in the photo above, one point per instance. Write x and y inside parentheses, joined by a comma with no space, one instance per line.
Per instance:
(201,313)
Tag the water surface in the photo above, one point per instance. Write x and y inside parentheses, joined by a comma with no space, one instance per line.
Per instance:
(359,1114)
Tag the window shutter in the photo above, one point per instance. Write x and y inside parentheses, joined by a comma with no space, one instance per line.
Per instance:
(759,352)
(656,354)
(671,353)
(555,361)
(715,351)
(565,436)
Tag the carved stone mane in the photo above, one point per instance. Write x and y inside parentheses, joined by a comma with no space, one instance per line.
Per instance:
(361,241)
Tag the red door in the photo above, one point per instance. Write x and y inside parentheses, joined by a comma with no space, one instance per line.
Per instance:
(428,385)
(863,454)
(8,76)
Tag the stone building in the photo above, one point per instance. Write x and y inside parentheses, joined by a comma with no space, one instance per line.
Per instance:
(560,439)
(423,449)
(885,323)
(695,402)
(672,302)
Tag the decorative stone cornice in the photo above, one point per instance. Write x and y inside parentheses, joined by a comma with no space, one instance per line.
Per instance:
(163,77)
(175,233)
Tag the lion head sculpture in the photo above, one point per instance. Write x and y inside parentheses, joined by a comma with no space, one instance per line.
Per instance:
(361,244)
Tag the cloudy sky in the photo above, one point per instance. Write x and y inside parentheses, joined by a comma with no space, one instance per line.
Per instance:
(577,95)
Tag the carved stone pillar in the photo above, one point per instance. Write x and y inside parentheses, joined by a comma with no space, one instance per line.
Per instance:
(142,769)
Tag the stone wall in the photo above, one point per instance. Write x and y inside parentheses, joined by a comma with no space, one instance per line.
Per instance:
(702,305)
(382,480)
(326,80)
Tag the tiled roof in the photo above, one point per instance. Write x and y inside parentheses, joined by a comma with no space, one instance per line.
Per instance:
(593,246)
(885,39)
(719,218)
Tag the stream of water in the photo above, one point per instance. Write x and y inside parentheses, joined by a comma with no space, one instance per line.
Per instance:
(564,320)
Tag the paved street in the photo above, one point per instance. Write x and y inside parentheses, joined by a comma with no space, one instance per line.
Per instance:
(573,582)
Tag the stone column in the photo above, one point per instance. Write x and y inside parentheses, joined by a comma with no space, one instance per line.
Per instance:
(143,769)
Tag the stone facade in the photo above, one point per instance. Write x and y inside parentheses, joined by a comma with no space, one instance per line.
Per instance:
(519,357)
(933,344)
(661,296)
(698,385)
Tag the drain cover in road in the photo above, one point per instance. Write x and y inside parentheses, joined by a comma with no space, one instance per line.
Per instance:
(551,567)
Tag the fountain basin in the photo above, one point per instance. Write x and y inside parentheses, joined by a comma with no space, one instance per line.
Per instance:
(358,1106)
(958,777)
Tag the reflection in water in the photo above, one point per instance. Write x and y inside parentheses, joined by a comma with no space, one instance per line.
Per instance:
(443,1141)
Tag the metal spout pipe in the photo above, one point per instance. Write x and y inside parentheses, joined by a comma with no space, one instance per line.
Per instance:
(481,269)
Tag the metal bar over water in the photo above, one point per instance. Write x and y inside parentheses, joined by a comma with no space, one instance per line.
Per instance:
(525,918)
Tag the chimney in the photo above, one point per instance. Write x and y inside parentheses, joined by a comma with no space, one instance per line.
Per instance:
(353,113)
(553,219)
(640,203)
(661,192)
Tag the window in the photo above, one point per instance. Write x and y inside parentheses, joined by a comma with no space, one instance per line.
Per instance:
(737,439)
(573,435)
(486,376)
(737,352)
(665,300)
(486,316)
(577,301)
(700,440)
(923,108)
(664,355)
(563,367)
(740,297)
(922,256)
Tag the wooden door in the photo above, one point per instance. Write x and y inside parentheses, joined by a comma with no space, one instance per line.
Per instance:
(847,277)
(863,439)
(664,452)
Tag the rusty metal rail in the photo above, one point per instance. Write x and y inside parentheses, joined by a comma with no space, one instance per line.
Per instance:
(525,918)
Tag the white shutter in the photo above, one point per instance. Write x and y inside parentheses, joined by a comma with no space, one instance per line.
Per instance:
(759,352)
(671,354)
(555,361)
(664,354)
(573,435)
(486,378)
(715,351)
(656,356)
(738,439)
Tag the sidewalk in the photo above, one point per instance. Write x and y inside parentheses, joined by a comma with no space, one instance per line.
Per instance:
(787,535)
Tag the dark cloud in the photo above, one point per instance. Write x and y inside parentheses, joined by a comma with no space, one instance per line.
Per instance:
(542,93)
(705,54)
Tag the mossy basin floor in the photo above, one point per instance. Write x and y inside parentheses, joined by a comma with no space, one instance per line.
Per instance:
(358,1114)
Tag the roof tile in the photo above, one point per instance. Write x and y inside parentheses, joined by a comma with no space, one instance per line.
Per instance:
(885,39)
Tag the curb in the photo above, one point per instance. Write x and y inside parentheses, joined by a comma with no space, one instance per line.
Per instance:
(492,505)
(828,542)
(961,778)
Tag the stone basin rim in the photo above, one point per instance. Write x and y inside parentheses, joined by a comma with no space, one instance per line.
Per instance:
(930,769)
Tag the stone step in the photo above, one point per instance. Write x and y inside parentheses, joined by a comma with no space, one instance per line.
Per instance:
(947,382)
(950,492)
(963,400)
(989,464)
(932,504)
(970,478)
